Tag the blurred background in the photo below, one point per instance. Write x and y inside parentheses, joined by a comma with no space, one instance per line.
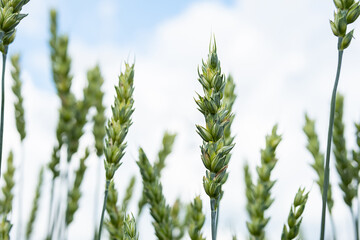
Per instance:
(282,55)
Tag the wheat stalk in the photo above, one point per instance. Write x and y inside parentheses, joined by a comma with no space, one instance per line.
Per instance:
(10,17)
(99,120)
(347,12)
(35,205)
(313,146)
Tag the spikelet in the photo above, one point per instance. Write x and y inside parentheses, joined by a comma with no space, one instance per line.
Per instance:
(10,18)
(53,165)
(347,12)
(5,227)
(167,144)
(196,220)
(249,188)
(295,216)
(229,99)
(179,224)
(130,231)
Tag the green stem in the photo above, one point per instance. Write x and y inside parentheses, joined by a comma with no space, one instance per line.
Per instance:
(96,197)
(62,220)
(214,214)
(328,148)
(21,183)
(332,226)
(217,214)
(358,210)
(55,212)
(104,207)
(356,222)
(356,229)
(356,216)
(2,102)
(51,208)
(217,218)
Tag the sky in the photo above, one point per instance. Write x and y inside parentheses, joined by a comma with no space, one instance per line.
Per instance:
(281,54)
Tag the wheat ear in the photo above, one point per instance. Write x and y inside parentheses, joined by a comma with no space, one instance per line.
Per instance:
(117,129)
(214,150)
(261,192)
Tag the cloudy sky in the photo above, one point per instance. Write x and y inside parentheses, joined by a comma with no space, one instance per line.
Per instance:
(281,53)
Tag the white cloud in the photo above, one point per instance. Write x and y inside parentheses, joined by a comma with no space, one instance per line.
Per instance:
(107,9)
